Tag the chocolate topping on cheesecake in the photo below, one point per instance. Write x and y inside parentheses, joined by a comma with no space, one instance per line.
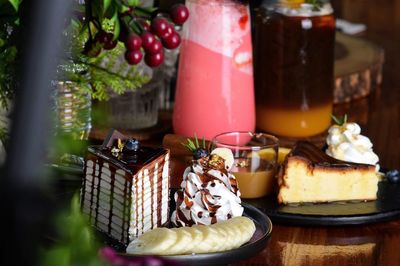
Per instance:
(307,151)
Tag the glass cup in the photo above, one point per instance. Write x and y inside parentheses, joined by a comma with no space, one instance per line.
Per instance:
(215,90)
(294,67)
(255,164)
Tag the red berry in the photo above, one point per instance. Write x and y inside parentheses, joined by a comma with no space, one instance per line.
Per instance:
(103,37)
(159,26)
(172,41)
(106,39)
(179,13)
(133,57)
(155,47)
(154,60)
(133,42)
(110,44)
(147,39)
(168,32)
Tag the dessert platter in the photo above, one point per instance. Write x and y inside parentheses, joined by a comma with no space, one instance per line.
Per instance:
(342,186)
(126,195)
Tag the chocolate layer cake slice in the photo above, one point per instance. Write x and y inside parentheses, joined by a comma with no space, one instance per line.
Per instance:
(125,191)
(309,175)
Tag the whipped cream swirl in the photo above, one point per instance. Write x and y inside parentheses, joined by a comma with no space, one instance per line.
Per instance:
(347,144)
(208,195)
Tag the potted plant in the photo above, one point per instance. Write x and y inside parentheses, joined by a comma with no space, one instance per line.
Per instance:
(100,33)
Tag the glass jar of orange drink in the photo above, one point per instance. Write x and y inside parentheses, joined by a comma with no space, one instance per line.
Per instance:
(294,64)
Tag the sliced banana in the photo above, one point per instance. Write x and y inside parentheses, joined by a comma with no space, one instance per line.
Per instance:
(217,237)
(153,242)
(183,239)
(247,227)
(210,239)
(231,235)
(196,237)
(225,154)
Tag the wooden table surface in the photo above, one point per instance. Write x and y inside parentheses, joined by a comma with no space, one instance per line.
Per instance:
(379,116)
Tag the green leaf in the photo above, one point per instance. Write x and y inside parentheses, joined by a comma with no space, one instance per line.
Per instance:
(197,141)
(97,11)
(133,2)
(106,4)
(340,121)
(317,4)
(117,26)
(59,255)
(15,4)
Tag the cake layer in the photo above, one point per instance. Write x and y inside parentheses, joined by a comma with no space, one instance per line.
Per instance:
(125,205)
(309,175)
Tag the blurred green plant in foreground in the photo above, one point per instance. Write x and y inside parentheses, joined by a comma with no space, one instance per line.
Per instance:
(76,244)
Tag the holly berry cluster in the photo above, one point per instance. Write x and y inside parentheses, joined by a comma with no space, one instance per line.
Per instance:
(144,33)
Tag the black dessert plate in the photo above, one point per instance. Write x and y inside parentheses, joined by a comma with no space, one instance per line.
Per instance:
(385,208)
(257,243)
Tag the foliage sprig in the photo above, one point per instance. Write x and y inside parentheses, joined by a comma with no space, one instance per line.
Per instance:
(340,121)
(194,145)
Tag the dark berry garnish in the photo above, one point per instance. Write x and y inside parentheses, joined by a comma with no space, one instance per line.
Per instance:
(133,57)
(160,26)
(132,145)
(133,42)
(179,13)
(197,150)
(393,176)
(154,60)
(172,41)
(199,153)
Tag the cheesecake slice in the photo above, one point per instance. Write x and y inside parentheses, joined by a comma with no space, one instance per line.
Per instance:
(309,175)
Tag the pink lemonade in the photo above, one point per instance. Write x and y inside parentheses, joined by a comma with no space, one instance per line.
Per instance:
(215,77)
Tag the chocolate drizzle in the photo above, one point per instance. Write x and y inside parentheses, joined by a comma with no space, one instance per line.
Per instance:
(305,150)
(125,212)
(98,187)
(142,196)
(152,198)
(110,215)
(205,185)
(136,204)
(110,192)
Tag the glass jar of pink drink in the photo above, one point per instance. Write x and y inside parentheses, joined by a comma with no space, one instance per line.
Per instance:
(215,91)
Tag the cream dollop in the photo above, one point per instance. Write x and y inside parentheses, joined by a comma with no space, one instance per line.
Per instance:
(347,144)
(207,195)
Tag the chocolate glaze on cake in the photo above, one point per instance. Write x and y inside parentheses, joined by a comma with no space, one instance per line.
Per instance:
(307,151)
(126,194)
